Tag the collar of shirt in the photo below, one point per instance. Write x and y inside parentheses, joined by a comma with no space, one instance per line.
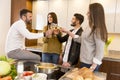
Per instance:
(75,30)
(23,22)
(67,48)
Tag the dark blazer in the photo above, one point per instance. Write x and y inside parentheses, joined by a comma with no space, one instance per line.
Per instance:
(74,52)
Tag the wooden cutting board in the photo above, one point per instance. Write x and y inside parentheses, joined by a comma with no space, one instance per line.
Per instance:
(96,76)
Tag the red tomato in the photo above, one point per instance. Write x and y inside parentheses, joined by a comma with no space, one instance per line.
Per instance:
(28,73)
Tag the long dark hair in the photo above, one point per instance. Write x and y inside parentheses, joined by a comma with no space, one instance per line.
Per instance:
(54,16)
(97,21)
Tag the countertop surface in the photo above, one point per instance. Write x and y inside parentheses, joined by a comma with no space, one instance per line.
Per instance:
(34,48)
(112,54)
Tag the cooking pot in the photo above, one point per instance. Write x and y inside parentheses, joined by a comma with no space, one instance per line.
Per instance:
(47,68)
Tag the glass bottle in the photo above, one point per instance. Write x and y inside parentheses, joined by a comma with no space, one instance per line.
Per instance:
(20,69)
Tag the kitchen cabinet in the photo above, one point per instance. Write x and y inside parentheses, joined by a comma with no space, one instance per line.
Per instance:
(60,7)
(65,9)
(78,6)
(117,17)
(40,11)
(110,10)
(111,66)
(16,6)
(44,7)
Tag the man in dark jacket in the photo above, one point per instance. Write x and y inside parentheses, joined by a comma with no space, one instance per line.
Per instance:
(72,48)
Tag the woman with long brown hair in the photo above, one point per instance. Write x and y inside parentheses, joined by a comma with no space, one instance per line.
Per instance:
(52,48)
(93,38)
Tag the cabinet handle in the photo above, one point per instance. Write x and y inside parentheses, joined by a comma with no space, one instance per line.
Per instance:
(115,74)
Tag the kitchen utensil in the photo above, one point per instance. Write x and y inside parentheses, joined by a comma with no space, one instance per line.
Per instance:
(46,67)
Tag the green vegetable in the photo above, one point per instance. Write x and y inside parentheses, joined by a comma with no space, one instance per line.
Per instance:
(13,71)
(5,68)
(3,58)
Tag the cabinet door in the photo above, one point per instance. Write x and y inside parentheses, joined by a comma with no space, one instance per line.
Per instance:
(60,7)
(40,11)
(109,8)
(15,8)
(78,6)
(117,21)
(114,76)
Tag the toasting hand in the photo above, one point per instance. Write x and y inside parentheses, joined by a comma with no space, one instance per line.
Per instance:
(64,30)
(66,64)
(56,31)
(49,33)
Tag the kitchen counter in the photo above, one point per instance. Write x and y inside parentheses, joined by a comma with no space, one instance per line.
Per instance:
(111,65)
(37,48)
(113,56)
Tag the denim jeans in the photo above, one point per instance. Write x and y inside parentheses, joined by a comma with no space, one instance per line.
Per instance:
(88,66)
(50,57)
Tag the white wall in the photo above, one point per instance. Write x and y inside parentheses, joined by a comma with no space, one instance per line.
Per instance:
(5,10)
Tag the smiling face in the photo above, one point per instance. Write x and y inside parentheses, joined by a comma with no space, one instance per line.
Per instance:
(50,19)
(28,18)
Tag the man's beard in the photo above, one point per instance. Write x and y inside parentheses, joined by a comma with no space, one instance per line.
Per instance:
(73,24)
(28,21)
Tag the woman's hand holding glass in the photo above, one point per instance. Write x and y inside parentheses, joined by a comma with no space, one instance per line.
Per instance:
(49,33)
(56,31)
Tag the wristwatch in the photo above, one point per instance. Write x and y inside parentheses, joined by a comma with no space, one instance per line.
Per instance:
(92,68)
